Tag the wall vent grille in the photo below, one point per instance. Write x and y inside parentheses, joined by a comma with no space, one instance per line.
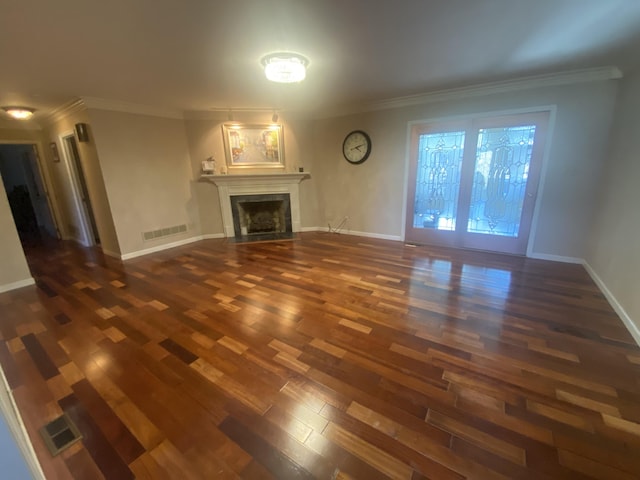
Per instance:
(164,232)
(60,434)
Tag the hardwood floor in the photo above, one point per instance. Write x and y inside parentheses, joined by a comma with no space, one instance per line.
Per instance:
(331,357)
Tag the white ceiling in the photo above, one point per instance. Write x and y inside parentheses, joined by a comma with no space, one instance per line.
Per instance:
(197,55)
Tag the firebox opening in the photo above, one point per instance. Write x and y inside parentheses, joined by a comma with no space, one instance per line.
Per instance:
(257,215)
(261,217)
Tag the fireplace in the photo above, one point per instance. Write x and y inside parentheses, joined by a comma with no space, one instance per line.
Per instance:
(261,214)
(268,186)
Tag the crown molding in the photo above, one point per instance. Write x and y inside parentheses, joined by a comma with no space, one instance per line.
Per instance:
(126,107)
(66,109)
(224,113)
(491,88)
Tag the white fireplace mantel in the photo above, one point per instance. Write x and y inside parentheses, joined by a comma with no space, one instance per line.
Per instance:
(257,184)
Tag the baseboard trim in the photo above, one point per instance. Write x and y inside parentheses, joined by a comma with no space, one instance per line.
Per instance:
(159,248)
(109,253)
(19,284)
(619,309)
(556,258)
(212,236)
(379,236)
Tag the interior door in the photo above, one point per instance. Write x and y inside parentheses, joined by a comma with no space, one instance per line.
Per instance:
(473,184)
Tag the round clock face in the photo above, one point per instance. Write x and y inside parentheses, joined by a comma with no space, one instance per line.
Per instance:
(356,147)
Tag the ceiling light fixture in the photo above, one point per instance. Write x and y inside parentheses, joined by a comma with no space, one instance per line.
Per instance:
(284,67)
(21,113)
(274,117)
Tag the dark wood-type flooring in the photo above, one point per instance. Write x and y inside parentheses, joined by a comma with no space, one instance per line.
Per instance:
(330,357)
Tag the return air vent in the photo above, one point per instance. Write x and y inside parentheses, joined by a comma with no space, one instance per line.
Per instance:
(164,232)
(60,434)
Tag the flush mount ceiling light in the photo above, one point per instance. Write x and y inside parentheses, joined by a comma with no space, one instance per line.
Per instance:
(21,113)
(285,67)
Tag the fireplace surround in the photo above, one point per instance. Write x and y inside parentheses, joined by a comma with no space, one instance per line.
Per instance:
(229,186)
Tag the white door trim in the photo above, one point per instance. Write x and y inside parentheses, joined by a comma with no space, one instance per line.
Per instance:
(87,238)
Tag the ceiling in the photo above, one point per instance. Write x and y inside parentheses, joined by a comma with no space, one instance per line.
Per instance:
(198,55)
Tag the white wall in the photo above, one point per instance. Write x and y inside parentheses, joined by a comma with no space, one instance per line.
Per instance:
(614,241)
(14,271)
(147,172)
(372,194)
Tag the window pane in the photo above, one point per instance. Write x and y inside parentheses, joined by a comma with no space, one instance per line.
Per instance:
(500,180)
(438,180)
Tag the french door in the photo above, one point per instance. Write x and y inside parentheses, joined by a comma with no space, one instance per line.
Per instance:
(473,183)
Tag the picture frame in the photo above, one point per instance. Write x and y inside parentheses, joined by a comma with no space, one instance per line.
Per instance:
(253,146)
(54,152)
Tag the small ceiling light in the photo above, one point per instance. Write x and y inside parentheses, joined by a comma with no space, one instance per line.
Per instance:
(283,67)
(274,117)
(21,113)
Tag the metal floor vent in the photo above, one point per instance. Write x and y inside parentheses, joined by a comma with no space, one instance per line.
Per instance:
(164,232)
(60,434)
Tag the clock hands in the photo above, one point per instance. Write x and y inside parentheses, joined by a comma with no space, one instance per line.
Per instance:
(357,147)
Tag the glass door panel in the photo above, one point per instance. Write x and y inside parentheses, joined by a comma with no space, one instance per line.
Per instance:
(438,180)
(500,176)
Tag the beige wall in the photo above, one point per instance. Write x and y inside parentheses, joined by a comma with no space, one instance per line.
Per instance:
(372,194)
(13,264)
(206,140)
(61,174)
(614,241)
(147,172)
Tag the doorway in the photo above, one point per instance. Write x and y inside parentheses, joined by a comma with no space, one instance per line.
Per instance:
(473,183)
(86,210)
(27,193)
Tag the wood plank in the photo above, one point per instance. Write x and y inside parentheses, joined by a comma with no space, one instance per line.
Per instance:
(330,355)
(371,454)
(591,468)
(114,429)
(81,465)
(275,462)
(179,351)
(560,415)
(621,424)
(103,453)
(481,439)
(40,357)
(587,403)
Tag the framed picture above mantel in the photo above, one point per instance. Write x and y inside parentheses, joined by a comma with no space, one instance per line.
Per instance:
(253,146)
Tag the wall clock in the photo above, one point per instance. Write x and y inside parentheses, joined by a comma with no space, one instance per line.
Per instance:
(356,147)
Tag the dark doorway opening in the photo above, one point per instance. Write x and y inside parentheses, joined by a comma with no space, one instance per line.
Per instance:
(26,193)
